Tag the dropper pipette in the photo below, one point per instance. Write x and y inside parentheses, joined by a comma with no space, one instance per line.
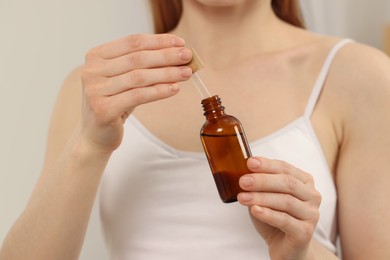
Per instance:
(203,91)
(196,64)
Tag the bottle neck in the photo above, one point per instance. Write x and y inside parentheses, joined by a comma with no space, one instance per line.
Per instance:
(212,107)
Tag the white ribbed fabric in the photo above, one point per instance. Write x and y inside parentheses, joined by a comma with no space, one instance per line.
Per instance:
(161,203)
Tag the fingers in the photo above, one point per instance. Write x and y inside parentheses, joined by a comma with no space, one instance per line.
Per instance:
(263,165)
(136,61)
(281,196)
(126,101)
(277,183)
(296,230)
(278,202)
(108,110)
(138,42)
(279,177)
(145,59)
(144,78)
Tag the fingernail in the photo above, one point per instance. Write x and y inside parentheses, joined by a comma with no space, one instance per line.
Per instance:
(253,163)
(178,42)
(186,72)
(257,209)
(244,196)
(174,87)
(185,54)
(246,181)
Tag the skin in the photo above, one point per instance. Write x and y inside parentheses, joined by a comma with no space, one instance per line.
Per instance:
(128,75)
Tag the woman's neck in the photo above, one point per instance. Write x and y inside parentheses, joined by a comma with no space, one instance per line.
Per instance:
(225,35)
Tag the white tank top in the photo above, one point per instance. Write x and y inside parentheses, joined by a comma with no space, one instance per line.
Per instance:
(158,202)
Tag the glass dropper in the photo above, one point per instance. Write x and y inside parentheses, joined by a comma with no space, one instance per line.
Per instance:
(196,64)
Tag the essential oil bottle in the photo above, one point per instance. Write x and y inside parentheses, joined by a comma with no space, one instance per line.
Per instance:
(226,148)
(223,139)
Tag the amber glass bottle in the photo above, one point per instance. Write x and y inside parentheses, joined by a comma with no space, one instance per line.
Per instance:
(226,148)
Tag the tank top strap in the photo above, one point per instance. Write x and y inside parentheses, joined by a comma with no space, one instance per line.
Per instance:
(319,84)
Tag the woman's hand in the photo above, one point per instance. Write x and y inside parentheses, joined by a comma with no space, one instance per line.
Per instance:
(120,75)
(284,206)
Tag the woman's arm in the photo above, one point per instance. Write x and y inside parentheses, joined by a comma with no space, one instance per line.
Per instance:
(54,222)
(363,172)
(86,127)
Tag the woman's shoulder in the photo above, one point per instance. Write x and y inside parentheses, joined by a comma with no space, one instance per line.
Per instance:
(355,66)
(355,54)
(359,80)
(362,69)
(358,57)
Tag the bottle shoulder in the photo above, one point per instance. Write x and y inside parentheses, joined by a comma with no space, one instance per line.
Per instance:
(222,125)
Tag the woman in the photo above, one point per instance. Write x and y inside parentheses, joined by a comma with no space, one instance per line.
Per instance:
(315,110)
